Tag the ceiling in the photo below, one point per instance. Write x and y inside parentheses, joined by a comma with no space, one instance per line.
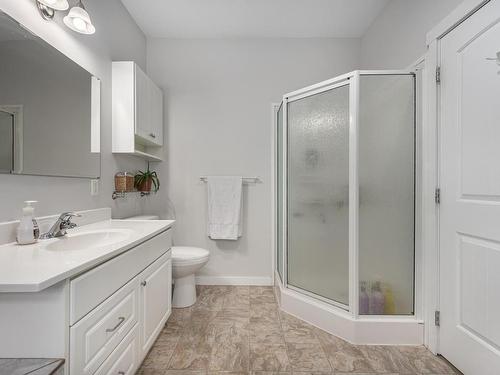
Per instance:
(254,18)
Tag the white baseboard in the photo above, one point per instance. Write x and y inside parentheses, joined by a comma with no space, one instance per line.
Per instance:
(234,280)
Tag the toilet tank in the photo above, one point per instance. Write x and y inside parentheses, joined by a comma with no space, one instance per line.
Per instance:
(143,217)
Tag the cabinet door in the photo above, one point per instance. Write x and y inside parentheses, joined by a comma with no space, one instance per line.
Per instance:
(156,114)
(156,282)
(142,104)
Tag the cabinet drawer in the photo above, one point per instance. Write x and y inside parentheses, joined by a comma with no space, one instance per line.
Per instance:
(124,360)
(91,288)
(94,337)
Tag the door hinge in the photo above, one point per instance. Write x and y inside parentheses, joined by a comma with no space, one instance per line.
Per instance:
(437,196)
(437,318)
(438,75)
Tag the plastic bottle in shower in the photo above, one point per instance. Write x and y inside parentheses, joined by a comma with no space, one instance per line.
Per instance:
(364,300)
(377,299)
(389,306)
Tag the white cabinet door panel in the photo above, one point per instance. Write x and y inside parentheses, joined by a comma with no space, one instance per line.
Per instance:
(142,103)
(156,115)
(156,284)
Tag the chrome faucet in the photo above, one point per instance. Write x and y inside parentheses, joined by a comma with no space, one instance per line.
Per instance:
(60,226)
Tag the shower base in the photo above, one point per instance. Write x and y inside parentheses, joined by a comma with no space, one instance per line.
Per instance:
(373,330)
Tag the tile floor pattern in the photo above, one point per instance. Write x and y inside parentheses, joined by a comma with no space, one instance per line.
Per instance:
(233,330)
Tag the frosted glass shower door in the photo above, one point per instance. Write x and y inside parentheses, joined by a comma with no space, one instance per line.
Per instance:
(386,194)
(318,194)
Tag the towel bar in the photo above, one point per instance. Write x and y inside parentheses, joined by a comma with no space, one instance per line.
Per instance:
(245,179)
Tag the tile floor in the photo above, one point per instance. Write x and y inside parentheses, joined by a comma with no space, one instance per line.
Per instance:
(240,330)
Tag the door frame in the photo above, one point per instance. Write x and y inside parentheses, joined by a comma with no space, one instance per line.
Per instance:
(274,191)
(431,170)
(16,110)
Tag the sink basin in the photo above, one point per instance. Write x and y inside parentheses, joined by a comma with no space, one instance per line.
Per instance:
(87,240)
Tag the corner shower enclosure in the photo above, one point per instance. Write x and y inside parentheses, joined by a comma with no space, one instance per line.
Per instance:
(345,192)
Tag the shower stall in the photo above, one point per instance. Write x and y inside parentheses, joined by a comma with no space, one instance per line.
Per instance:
(345,200)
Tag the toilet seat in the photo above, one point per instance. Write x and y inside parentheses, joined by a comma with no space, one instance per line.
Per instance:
(187,255)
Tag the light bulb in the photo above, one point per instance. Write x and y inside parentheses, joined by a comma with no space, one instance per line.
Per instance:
(79,20)
(79,24)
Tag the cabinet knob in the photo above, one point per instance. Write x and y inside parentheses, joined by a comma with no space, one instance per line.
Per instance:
(144,283)
(152,135)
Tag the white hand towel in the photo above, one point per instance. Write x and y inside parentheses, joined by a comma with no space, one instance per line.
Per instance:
(224,207)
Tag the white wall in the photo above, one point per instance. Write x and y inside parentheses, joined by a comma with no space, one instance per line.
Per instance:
(397,36)
(117,37)
(218,96)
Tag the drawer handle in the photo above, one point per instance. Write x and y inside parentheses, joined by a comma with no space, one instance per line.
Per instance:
(121,372)
(121,320)
(144,283)
(152,135)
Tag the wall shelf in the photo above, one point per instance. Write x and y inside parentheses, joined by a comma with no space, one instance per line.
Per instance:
(143,155)
(123,194)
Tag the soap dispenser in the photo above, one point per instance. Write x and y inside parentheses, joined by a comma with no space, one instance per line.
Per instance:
(28,231)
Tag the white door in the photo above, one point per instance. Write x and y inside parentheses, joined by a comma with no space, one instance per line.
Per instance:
(470,194)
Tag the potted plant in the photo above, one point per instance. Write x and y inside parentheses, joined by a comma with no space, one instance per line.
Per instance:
(145,180)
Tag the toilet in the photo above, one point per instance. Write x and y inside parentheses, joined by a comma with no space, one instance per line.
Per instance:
(186,261)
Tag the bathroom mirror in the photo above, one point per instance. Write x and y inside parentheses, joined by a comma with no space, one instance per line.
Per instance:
(49,108)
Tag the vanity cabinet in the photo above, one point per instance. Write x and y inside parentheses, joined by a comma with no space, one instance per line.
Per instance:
(98,305)
(137,104)
(115,335)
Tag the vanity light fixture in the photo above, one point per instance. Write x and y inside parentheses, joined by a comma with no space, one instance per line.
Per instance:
(47,8)
(79,20)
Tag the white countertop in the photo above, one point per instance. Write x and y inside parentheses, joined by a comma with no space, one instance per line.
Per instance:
(32,268)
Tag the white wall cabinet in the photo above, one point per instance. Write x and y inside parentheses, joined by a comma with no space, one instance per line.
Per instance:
(137,112)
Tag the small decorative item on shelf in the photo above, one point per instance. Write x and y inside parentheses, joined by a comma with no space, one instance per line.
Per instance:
(145,180)
(124,182)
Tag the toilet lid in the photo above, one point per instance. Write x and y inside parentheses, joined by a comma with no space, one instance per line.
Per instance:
(187,253)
